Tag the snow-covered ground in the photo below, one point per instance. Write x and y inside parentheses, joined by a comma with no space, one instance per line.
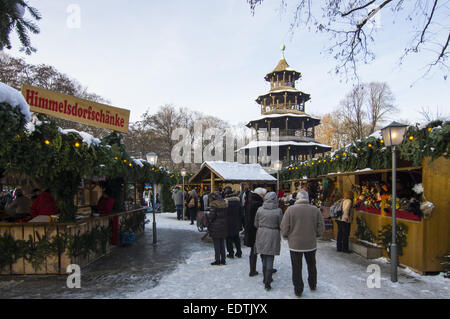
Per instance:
(339,276)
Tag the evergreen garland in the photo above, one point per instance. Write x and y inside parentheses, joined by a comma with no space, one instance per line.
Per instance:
(132,223)
(363,231)
(36,250)
(166,196)
(384,237)
(431,141)
(58,161)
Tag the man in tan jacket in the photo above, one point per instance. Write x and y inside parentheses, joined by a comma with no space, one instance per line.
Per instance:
(302,224)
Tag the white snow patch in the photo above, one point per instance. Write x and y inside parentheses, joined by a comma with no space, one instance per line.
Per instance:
(87,138)
(377,135)
(196,278)
(237,171)
(137,161)
(14,98)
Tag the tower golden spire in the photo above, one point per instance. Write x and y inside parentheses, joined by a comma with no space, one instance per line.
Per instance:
(283,47)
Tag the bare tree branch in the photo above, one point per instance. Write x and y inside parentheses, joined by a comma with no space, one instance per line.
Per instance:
(358,8)
(347,22)
(427,25)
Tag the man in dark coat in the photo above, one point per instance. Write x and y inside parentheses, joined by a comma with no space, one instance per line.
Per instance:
(234,221)
(254,201)
(217,226)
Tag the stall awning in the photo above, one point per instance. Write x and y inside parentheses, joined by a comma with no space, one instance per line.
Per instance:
(359,172)
(232,172)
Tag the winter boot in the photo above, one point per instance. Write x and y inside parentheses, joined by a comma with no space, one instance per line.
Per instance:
(264,274)
(253,259)
(268,277)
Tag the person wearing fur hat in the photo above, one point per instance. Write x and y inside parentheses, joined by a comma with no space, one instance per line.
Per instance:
(344,222)
(268,239)
(217,227)
(302,224)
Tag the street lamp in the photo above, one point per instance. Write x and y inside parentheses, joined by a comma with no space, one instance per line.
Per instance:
(152,158)
(278,165)
(183,174)
(393,135)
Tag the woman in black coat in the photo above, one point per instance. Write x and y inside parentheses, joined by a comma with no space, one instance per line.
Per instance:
(234,220)
(217,226)
(254,201)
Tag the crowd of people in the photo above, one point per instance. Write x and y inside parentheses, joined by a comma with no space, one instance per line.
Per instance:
(258,213)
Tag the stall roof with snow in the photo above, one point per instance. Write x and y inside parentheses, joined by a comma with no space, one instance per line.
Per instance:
(233,172)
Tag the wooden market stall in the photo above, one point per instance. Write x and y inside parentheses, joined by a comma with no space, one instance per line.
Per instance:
(48,248)
(68,224)
(219,174)
(428,237)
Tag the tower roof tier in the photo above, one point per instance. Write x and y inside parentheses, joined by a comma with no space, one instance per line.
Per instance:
(303,147)
(281,92)
(283,67)
(281,116)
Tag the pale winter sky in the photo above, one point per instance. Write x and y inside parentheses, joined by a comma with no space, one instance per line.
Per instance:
(212,55)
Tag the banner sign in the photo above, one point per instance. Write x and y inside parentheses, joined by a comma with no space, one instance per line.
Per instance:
(75,109)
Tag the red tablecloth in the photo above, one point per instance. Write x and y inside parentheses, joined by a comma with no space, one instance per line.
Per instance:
(400,213)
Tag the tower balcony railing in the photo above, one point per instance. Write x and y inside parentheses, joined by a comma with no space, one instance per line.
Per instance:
(282,84)
(297,132)
(284,106)
(264,135)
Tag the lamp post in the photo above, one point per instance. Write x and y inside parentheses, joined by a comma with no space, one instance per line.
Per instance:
(152,158)
(278,165)
(393,135)
(183,174)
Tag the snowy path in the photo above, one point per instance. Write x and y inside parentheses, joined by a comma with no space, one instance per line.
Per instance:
(339,276)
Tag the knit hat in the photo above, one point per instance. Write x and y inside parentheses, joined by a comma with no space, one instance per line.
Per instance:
(260,191)
(303,196)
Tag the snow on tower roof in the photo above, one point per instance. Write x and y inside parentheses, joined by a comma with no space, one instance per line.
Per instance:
(14,98)
(254,144)
(275,115)
(233,171)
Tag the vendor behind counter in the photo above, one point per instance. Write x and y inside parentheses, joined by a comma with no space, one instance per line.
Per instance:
(19,208)
(105,204)
(44,205)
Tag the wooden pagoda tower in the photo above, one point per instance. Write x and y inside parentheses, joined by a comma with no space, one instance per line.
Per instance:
(283,108)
